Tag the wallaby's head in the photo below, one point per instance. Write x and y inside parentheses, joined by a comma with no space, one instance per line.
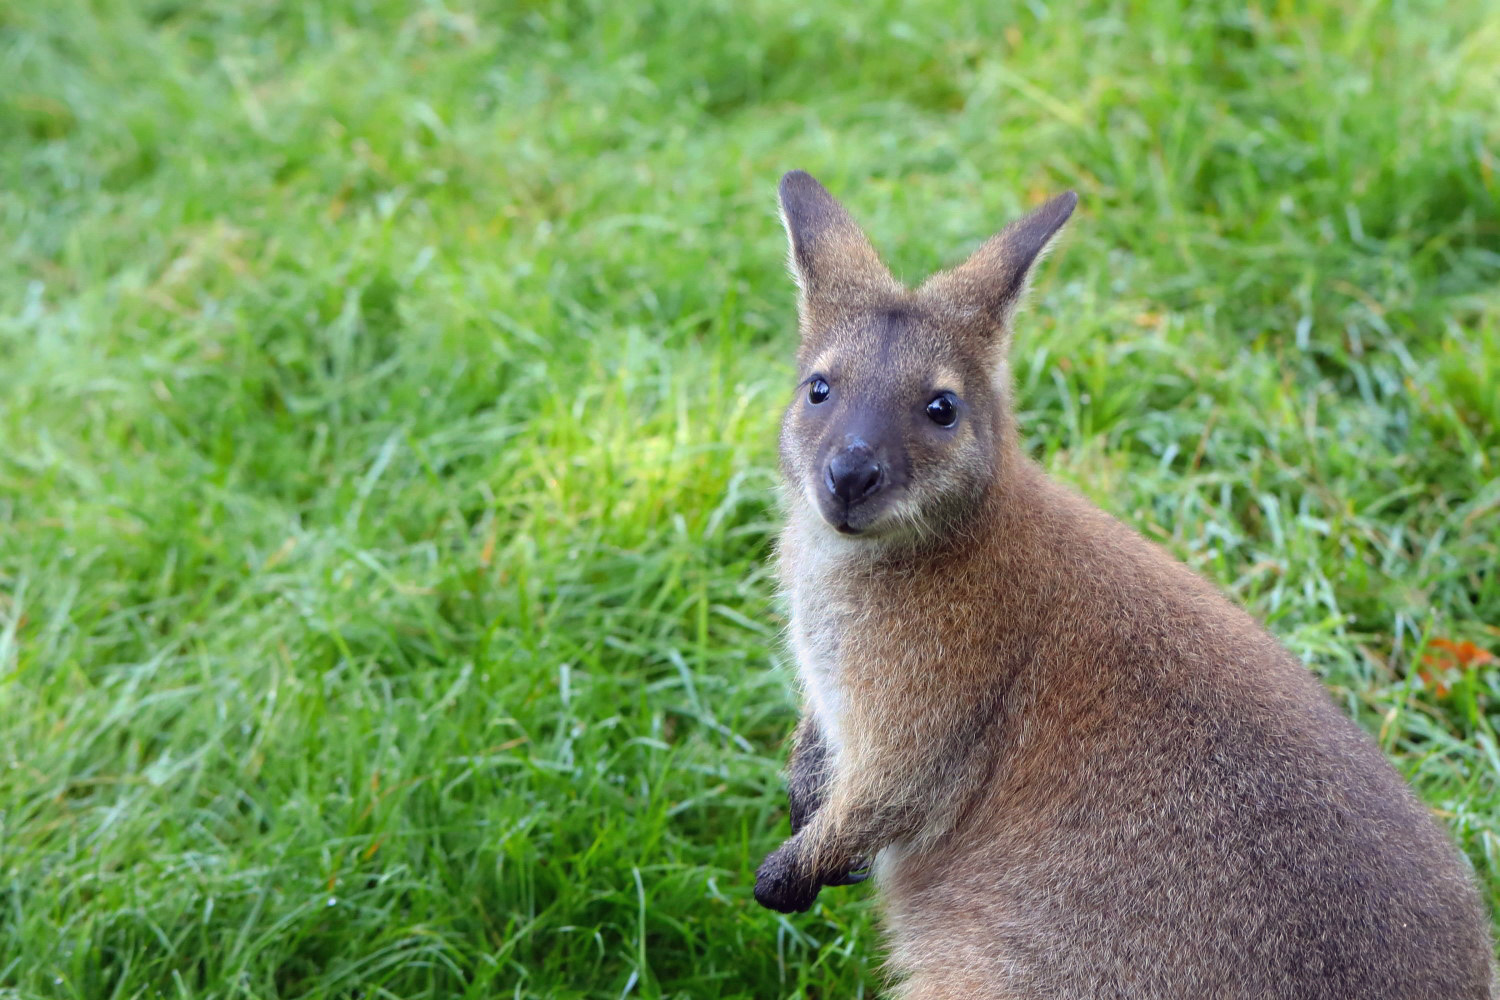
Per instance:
(903,395)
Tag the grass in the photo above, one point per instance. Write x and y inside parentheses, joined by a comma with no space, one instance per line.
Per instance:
(387,440)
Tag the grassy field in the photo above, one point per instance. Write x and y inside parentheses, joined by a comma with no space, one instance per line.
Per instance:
(387,408)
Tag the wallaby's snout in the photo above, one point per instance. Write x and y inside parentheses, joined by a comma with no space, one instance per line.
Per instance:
(854,474)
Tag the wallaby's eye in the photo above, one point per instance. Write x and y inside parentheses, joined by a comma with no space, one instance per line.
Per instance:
(817,391)
(943,409)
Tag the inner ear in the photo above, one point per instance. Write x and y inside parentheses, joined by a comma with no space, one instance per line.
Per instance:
(991,283)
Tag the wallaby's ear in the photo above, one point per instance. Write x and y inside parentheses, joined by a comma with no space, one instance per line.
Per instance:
(828,254)
(989,285)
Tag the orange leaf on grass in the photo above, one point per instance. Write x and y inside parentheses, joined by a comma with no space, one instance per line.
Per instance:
(1444,656)
(1463,654)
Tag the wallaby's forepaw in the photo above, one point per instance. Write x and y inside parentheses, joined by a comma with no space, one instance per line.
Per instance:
(801,806)
(854,876)
(781,884)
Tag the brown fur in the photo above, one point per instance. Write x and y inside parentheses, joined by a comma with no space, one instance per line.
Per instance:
(1082,771)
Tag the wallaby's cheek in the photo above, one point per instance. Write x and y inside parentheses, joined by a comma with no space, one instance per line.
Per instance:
(795,452)
(950,477)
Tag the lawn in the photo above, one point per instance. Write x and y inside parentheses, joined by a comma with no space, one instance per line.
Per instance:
(387,441)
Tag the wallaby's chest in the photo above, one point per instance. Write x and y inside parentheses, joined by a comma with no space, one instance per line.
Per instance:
(825,614)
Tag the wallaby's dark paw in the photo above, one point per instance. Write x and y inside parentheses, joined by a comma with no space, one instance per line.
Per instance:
(854,876)
(781,885)
(801,806)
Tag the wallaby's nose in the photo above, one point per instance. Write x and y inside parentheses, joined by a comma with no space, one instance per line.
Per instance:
(854,474)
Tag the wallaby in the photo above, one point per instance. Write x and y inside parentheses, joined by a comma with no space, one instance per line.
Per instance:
(1075,769)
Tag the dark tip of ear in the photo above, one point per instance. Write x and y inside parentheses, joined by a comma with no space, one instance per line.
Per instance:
(1029,236)
(1054,213)
(794,182)
(803,199)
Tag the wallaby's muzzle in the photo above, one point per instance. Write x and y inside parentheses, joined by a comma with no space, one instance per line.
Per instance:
(857,482)
(854,473)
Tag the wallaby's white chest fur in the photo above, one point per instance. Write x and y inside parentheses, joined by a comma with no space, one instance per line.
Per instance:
(821,613)
(815,642)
